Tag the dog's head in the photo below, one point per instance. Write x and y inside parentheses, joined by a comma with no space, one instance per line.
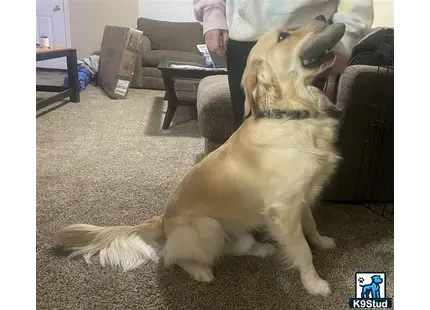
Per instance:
(283,64)
(377,279)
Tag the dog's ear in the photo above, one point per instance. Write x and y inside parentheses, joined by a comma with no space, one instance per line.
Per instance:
(260,86)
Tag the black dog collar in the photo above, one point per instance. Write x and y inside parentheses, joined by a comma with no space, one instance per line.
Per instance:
(285,114)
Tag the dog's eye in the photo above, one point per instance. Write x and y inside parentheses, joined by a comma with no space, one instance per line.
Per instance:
(283,35)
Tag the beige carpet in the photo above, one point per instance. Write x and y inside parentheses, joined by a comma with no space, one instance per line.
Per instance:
(108,162)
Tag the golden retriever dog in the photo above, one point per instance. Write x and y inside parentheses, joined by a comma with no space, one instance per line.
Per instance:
(267,175)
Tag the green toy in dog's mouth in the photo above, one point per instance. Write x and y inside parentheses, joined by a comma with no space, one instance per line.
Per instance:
(317,50)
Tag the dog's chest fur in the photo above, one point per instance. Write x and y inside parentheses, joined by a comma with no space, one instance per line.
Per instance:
(295,158)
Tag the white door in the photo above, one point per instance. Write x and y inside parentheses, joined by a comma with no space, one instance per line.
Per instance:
(52,21)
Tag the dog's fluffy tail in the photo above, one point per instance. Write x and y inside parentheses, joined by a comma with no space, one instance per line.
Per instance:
(121,246)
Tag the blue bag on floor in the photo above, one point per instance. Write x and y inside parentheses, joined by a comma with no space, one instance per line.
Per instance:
(83,78)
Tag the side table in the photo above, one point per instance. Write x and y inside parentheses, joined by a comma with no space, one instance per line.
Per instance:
(171,69)
(72,90)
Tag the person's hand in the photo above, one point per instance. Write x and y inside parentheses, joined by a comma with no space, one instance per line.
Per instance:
(216,41)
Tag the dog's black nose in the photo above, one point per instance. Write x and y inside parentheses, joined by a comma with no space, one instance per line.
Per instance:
(321,18)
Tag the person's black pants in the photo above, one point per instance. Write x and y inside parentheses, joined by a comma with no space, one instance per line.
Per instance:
(237,55)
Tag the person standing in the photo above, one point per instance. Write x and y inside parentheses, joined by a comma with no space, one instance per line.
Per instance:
(232,27)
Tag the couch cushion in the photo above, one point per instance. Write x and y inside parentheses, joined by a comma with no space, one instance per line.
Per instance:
(151,79)
(151,72)
(152,58)
(149,82)
(180,36)
(215,114)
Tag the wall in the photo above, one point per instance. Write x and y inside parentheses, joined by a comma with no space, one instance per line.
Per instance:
(181,10)
(168,10)
(89,17)
(384,13)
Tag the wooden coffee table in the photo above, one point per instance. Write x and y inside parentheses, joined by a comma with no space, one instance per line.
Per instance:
(176,98)
(72,91)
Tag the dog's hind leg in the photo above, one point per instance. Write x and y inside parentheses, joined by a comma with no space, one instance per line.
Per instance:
(194,245)
(245,244)
(285,223)
(311,232)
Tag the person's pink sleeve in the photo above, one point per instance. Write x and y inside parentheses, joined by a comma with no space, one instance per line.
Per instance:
(211,13)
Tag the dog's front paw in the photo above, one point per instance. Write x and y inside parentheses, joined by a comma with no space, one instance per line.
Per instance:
(317,287)
(325,243)
(203,275)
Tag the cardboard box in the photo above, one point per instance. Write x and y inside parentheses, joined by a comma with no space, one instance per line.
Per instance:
(119,49)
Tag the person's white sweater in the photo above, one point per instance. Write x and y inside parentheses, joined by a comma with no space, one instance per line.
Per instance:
(247,20)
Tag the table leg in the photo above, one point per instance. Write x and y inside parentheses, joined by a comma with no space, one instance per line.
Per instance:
(171,109)
(172,101)
(72,73)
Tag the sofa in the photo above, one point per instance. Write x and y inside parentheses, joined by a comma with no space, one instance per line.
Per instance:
(160,39)
(366,98)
